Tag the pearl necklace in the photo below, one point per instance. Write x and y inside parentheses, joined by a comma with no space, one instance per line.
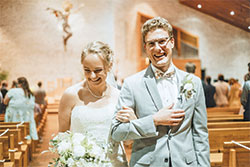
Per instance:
(96,96)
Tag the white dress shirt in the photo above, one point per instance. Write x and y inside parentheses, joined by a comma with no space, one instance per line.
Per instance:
(167,87)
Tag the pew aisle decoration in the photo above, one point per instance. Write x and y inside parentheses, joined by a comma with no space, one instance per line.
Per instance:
(78,150)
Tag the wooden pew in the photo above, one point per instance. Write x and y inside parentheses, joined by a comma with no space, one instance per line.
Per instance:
(24,131)
(226,131)
(41,126)
(217,136)
(235,155)
(225,118)
(3,162)
(24,145)
(18,153)
(228,124)
(9,152)
(26,124)
(222,114)
(1,117)
(223,111)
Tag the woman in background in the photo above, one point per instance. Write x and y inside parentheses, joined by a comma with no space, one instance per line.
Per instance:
(20,105)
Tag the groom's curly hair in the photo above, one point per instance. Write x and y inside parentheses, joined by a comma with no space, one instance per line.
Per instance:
(102,50)
(155,23)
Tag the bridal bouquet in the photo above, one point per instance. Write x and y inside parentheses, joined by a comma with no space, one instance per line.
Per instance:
(78,150)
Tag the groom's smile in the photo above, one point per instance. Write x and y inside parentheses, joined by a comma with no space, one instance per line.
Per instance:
(158,47)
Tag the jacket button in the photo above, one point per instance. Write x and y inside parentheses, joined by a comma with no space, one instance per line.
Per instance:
(166,160)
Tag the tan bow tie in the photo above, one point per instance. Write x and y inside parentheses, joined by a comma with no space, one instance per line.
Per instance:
(161,75)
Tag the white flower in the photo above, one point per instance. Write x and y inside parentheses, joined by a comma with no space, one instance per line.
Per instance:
(77,138)
(63,147)
(55,138)
(70,162)
(188,86)
(79,151)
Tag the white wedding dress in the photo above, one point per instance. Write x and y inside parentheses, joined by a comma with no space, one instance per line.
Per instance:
(97,122)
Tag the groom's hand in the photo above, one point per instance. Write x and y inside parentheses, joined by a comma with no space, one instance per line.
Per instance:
(168,116)
(126,114)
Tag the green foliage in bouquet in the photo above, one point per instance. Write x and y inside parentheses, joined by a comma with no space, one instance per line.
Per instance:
(78,150)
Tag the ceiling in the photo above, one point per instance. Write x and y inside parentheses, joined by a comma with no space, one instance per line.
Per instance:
(221,9)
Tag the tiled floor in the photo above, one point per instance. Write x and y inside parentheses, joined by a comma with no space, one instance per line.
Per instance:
(51,127)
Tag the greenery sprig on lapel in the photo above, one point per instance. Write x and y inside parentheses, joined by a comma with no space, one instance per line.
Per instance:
(187,90)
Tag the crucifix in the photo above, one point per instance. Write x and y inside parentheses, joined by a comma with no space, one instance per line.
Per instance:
(64,16)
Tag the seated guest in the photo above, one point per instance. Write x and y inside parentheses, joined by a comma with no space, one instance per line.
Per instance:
(222,90)
(20,106)
(209,93)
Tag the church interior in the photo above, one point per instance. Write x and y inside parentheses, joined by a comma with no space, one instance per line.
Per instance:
(43,41)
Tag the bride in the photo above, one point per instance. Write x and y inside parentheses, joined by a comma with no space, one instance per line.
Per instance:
(90,104)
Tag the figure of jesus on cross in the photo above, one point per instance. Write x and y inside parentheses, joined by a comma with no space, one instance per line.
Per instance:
(64,17)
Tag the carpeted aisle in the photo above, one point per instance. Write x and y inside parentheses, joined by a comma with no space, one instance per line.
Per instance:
(51,127)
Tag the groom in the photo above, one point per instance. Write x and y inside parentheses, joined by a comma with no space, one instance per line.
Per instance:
(171,125)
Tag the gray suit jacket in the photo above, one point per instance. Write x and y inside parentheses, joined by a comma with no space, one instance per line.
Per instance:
(186,144)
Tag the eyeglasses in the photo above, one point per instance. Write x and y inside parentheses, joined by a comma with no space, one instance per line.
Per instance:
(160,41)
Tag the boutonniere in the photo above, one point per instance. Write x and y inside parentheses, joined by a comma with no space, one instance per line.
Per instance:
(187,90)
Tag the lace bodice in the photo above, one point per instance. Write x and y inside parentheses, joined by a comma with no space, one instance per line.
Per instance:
(97,122)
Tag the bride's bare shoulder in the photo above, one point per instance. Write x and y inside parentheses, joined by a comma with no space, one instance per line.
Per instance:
(73,90)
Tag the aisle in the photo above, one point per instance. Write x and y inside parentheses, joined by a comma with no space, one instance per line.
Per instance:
(51,127)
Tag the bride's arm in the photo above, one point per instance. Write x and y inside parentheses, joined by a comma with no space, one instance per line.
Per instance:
(126,115)
(67,102)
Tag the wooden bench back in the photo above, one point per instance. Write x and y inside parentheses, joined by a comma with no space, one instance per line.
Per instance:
(27,124)
(228,124)
(16,133)
(7,145)
(1,117)
(234,155)
(224,118)
(23,131)
(223,110)
(217,136)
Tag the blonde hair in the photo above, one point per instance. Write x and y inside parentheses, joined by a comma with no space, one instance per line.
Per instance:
(102,50)
(155,23)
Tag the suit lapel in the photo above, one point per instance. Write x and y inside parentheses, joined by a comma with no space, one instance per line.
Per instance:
(180,76)
(151,86)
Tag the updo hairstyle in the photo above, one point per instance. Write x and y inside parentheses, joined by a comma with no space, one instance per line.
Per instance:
(155,23)
(102,50)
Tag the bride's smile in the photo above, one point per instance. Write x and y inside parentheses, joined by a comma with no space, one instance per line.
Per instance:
(95,73)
